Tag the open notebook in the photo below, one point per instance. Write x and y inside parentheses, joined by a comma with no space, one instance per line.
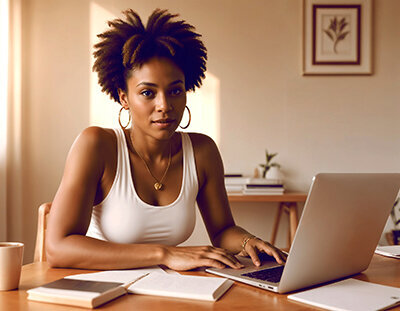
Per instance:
(93,289)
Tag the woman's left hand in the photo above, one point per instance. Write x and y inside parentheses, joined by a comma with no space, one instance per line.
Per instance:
(254,245)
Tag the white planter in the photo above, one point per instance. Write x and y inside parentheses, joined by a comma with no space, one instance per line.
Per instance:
(274,173)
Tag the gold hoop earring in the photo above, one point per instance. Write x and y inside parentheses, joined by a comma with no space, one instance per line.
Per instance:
(190,119)
(119,119)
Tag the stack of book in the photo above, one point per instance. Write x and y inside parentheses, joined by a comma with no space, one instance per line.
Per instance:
(237,184)
(260,186)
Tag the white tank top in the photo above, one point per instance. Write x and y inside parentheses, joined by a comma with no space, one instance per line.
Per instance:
(123,217)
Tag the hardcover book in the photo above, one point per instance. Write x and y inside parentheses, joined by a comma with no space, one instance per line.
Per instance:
(80,293)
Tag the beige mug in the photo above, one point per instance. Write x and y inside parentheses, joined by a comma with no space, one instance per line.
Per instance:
(11,254)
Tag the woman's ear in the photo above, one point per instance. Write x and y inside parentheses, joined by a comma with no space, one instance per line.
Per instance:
(123,99)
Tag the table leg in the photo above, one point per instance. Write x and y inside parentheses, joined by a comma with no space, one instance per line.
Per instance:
(291,209)
(276,223)
(293,221)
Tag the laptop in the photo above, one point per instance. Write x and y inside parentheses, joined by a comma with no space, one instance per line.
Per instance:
(341,224)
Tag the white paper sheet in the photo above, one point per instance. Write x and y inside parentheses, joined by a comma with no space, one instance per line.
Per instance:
(350,295)
(389,251)
(121,276)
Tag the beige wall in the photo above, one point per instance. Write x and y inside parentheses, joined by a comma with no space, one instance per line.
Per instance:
(321,123)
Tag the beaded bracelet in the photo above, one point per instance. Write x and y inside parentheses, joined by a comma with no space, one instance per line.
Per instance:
(247,239)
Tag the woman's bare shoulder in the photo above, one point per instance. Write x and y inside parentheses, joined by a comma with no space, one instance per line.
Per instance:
(96,138)
(206,152)
(97,134)
(91,148)
(202,142)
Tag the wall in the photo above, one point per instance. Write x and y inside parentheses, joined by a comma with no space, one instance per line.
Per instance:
(321,123)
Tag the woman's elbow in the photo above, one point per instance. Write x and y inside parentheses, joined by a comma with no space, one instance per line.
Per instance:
(54,254)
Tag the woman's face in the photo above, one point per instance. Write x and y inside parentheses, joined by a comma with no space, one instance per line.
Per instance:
(156,97)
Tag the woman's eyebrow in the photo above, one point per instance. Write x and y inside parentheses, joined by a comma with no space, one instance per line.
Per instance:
(176,82)
(155,85)
(146,84)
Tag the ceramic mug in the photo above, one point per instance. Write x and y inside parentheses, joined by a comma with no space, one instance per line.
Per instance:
(11,254)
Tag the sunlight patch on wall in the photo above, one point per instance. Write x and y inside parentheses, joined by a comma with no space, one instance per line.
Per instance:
(204,105)
(103,110)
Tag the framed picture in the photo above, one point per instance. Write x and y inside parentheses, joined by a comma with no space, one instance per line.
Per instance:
(337,37)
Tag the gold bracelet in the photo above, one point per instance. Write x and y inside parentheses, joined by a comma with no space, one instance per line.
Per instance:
(247,239)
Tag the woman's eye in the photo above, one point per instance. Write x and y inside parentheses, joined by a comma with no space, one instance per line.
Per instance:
(176,92)
(147,93)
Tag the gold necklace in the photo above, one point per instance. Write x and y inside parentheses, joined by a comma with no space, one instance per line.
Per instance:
(158,185)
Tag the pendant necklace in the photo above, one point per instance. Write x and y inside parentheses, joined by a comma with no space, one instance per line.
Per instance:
(158,185)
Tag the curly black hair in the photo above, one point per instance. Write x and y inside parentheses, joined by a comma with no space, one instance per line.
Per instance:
(127,45)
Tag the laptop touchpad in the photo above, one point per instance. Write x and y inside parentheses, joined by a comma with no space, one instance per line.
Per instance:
(265,259)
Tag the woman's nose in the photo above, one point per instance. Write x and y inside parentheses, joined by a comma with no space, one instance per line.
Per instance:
(163,103)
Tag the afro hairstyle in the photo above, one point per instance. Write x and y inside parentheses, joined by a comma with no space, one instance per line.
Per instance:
(127,45)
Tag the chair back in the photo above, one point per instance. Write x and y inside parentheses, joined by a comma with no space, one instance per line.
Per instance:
(40,248)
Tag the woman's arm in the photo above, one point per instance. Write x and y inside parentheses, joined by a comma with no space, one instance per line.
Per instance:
(81,187)
(67,244)
(214,206)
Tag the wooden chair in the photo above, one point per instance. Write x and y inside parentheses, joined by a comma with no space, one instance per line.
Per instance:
(40,248)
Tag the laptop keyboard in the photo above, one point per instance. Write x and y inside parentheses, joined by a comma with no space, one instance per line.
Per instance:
(270,274)
(264,257)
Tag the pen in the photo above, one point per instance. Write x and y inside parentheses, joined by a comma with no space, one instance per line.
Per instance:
(135,280)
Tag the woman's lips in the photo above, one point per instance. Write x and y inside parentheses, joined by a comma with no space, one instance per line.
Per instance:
(163,123)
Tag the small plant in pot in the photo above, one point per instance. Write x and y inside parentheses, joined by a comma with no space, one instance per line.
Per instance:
(268,163)
(395,215)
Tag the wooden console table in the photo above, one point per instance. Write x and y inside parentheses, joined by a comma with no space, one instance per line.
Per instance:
(287,203)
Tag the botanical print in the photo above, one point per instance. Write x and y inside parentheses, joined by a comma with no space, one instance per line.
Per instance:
(336,34)
(337,37)
(337,31)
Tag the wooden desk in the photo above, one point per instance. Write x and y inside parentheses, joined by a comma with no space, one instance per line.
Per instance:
(287,203)
(382,270)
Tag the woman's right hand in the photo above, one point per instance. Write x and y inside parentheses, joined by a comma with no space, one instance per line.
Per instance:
(182,258)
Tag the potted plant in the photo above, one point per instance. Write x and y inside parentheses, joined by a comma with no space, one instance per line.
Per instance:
(394,214)
(268,163)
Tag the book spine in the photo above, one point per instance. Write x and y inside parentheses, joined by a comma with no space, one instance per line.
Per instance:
(260,186)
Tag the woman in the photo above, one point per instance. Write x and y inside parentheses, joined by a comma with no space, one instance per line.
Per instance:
(127,196)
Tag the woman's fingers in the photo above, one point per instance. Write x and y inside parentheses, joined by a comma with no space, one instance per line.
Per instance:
(222,256)
(207,262)
(279,256)
(258,245)
(186,258)
(251,251)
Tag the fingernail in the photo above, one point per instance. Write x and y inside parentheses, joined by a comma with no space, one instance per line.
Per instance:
(257,263)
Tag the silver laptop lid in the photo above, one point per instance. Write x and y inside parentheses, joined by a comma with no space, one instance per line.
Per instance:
(340,227)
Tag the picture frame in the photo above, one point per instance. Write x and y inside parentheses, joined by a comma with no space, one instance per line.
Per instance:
(337,37)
